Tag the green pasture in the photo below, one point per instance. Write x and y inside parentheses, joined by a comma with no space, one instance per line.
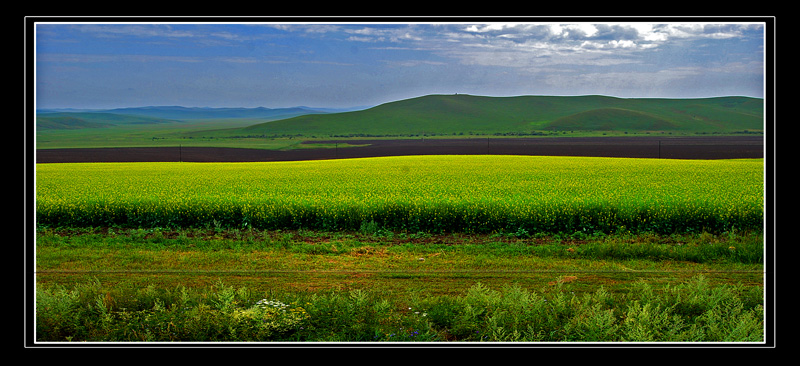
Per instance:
(210,285)
(168,134)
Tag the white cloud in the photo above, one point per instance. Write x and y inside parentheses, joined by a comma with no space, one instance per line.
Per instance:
(582,30)
(556,29)
(365,39)
(489,27)
(622,44)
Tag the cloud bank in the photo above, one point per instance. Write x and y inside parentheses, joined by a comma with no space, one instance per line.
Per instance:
(333,64)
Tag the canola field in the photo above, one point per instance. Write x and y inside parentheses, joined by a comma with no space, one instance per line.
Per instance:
(471,194)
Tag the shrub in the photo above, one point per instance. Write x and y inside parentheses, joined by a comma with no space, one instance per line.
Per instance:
(691,312)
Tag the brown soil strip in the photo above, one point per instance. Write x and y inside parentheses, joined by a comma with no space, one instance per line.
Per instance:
(719,147)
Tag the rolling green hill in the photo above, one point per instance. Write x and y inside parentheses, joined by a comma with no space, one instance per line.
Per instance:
(92,120)
(607,119)
(431,115)
(465,114)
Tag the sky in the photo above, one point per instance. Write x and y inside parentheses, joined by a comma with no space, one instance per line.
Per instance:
(332,64)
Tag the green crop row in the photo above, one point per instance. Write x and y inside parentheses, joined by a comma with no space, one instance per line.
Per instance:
(419,193)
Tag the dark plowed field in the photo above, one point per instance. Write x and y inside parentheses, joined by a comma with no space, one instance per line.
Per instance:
(634,147)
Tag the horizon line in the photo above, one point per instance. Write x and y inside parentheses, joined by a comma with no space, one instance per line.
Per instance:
(36,108)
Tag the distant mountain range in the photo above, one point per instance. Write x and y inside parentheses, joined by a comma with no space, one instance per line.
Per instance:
(85,118)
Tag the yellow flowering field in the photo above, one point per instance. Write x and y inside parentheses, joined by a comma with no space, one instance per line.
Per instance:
(415,193)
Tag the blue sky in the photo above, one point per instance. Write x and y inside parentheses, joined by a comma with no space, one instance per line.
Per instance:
(338,65)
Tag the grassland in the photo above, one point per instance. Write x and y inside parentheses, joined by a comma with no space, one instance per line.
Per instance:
(465,114)
(156,135)
(201,285)
(432,116)
(425,248)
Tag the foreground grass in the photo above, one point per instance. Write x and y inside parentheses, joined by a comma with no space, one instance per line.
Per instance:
(113,284)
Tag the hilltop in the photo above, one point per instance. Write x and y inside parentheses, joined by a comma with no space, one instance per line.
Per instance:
(467,114)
